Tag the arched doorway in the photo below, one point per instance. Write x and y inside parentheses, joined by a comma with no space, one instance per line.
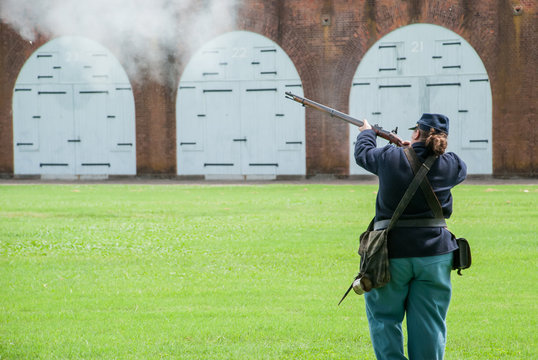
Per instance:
(424,68)
(73,113)
(233,120)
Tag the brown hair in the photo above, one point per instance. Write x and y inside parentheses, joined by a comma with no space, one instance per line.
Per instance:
(436,142)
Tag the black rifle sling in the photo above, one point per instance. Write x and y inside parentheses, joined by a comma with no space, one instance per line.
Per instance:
(427,189)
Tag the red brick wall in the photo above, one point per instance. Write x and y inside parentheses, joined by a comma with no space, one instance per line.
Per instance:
(326,57)
(155,129)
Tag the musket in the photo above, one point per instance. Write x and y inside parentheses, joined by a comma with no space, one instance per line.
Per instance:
(382,133)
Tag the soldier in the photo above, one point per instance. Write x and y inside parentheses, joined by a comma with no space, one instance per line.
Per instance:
(420,257)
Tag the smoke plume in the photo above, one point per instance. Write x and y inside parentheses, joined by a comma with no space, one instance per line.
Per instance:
(147,35)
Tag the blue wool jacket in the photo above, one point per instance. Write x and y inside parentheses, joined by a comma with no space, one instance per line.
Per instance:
(390,164)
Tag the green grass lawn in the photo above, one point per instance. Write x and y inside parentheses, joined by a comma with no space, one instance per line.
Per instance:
(239,272)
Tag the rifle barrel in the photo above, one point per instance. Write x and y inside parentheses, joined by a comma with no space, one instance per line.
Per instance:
(332,112)
(387,135)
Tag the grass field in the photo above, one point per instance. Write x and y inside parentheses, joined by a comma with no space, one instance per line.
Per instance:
(239,272)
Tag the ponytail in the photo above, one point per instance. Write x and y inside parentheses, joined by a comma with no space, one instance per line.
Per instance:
(436,142)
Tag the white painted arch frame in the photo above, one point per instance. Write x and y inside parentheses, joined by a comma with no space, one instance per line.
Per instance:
(73,112)
(426,68)
(233,120)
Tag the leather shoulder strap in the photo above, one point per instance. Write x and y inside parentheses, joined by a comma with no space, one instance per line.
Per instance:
(420,175)
(427,189)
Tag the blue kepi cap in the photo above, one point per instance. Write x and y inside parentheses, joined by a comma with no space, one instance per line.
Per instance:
(433,121)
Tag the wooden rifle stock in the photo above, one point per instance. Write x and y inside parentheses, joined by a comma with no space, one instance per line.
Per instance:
(387,135)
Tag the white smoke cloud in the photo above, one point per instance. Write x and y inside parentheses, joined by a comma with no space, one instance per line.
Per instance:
(146,34)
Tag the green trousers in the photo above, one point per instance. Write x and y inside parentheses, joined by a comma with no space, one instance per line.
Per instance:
(420,289)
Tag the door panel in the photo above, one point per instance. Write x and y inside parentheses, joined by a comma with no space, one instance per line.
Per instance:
(258,126)
(26,131)
(222,134)
(443,98)
(56,130)
(91,114)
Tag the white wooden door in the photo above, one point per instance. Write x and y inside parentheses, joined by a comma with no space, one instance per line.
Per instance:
(57,149)
(223,136)
(258,124)
(90,116)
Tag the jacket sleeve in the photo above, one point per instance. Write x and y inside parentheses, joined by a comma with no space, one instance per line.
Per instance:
(367,155)
(450,171)
(454,170)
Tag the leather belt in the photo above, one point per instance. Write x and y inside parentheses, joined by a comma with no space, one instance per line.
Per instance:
(425,222)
